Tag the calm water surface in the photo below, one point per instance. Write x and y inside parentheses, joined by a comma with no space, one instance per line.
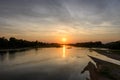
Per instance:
(48,64)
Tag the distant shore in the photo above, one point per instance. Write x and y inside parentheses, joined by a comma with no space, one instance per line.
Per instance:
(13,44)
(23,49)
(13,50)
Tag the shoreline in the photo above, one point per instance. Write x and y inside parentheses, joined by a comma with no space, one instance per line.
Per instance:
(23,49)
(115,54)
(105,70)
(13,50)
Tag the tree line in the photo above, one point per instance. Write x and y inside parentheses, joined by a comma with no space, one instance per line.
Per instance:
(12,43)
(99,44)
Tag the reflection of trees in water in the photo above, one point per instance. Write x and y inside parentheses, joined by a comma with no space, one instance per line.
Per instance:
(3,55)
(36,49)
(90,49)
(11,53)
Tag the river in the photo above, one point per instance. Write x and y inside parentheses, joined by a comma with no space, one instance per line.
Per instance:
(65,63)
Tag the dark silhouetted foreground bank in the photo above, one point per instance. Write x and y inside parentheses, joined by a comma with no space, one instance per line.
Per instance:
(103,70)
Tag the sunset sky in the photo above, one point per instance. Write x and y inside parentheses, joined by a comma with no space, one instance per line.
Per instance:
(52,20)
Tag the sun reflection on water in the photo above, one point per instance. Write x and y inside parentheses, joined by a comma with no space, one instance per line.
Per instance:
(64,51)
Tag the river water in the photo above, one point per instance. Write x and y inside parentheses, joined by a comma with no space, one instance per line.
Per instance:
(65,63)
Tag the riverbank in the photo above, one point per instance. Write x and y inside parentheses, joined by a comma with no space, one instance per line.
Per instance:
(24,49)
(104,70)
(115,54)
(13,50)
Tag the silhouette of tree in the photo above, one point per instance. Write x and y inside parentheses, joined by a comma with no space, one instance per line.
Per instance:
(3,43)
(98,44)
(89,44)
(113,45)
(13,43)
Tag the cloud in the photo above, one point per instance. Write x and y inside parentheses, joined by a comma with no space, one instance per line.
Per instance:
(70,17)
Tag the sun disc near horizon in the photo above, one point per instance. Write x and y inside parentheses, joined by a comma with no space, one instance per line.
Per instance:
(64,39)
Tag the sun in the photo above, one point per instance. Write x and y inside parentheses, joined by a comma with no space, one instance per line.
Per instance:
(64,39)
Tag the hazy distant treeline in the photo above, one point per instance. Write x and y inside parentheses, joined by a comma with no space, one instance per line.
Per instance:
(99,44)
(12,43)
(113,45)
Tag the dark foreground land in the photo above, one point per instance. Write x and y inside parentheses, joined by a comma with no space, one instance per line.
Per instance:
(103,71)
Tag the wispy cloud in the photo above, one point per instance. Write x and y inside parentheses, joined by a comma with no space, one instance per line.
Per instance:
(86,18)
